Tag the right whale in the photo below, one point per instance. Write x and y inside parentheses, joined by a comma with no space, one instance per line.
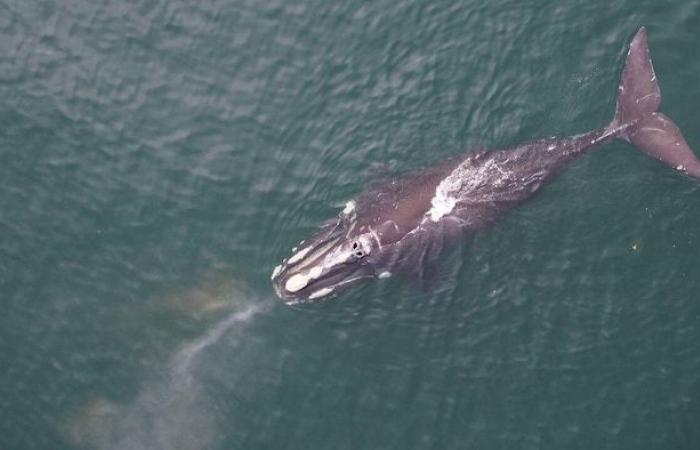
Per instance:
(402,226)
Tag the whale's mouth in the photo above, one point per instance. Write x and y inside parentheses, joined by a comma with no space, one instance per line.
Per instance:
(296,288)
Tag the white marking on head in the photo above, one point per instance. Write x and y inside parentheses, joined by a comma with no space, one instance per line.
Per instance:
(296,282)
(680,167)
(298,256)
(315,272)
(320,293)
(385,274)
(292,302)
(551,147)
(276,272)
(349,207)
(365,245)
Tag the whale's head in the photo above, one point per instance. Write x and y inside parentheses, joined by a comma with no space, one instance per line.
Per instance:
(338,256)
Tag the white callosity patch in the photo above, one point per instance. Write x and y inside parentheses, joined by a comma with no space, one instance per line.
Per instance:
(467,178)
(320,293)
(315,272)
(343,254)
(298,256)
(384,274)
(276,272)
(296,282)
(299,281)
(349,207)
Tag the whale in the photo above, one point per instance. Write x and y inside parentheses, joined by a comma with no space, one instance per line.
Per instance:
(403,226)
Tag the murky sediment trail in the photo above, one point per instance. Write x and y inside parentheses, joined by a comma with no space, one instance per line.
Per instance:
(173,409)
(186,357)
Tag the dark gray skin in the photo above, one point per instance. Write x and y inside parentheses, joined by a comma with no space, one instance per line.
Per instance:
(403,226)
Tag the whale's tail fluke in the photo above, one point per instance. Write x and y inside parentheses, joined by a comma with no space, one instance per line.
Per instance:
(637,119)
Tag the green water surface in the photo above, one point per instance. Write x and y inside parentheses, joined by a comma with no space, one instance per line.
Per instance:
(159,157)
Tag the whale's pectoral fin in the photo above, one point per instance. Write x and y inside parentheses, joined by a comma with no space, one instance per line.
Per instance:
(429,276)
(636,117)
(433,261)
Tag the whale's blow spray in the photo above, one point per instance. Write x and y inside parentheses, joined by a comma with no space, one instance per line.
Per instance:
(172,412)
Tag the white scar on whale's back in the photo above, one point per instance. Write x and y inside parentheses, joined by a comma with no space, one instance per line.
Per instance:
(464,180)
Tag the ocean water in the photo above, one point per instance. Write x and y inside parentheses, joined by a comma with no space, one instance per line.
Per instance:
(159,157)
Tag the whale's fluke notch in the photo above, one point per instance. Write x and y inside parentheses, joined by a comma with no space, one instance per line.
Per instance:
(636,115)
